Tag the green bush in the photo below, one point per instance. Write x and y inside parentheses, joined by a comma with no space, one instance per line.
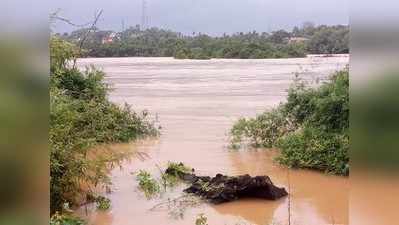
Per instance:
(182,54)
(326,107)
(315,149)
(176,169)
(264,130)
(80,118)
(147,184)
(88,85)
(103,203)
(311,128)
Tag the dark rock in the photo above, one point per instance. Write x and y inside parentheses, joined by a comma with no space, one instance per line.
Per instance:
(222,188)
(189,178)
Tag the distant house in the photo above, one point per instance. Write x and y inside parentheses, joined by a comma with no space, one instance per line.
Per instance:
(109,38)
(297,39)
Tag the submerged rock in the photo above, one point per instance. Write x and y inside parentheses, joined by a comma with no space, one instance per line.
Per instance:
(222,188)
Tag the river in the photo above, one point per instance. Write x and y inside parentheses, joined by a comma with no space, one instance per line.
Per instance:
(196,102)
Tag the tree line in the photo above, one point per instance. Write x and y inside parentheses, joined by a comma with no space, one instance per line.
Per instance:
(156,42)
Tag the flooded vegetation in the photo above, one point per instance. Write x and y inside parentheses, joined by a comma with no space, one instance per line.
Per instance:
(197,103)
(82,119)
(311,129)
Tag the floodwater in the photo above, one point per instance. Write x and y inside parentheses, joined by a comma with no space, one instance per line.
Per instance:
(196,102)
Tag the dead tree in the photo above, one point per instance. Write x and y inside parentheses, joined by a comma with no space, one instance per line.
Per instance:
(55,16)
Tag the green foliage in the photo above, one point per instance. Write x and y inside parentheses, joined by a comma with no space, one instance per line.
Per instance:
(326,107)
(80,118)
(311,128)
(316,149)
(252,45)
(199,53)
(168,180)
(182,54)
(60,53)
(264,130)
(147,184)
(297,50)
(87,85)
(58,219)
(178,168)
(171,177)
(103,203)
(201,220)
(173,173)
(329,40)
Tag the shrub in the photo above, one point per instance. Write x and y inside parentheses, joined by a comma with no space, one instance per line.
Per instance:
(182,54)
(176,169)
(315,149)
(147,184)
(264,130)
(80,118)
(311,128)
(61,52)
(103,203)
(88,85)
(326,107)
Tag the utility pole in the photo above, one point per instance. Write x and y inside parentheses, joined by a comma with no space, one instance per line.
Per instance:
(144,16)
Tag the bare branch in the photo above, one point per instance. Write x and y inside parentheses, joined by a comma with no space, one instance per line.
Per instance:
(55,17)
(93,25)
(69,22)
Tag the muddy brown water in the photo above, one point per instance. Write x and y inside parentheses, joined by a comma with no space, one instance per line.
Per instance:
(196,102)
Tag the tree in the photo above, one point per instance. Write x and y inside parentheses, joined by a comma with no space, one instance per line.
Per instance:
(330,40)
(279,36)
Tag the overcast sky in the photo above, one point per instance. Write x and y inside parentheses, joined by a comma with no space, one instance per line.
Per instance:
(213,17)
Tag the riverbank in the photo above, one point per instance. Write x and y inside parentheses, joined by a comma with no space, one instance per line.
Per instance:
(197,102)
